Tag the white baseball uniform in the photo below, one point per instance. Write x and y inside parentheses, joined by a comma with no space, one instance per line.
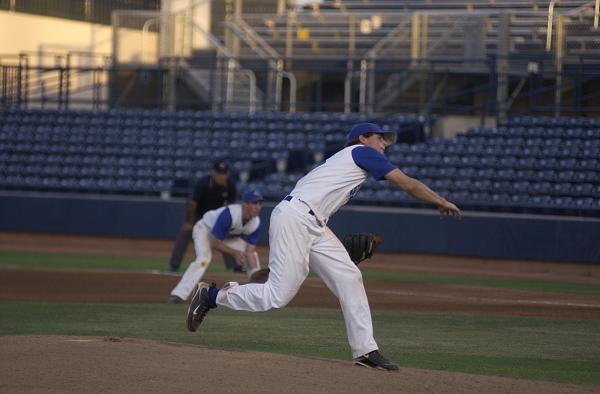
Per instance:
(226,224)
(299,238)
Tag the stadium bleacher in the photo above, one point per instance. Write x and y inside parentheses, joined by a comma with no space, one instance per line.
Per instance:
(151,152)
(546,169)
(529,165)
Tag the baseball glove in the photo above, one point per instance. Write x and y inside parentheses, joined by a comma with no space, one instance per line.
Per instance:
(361,246)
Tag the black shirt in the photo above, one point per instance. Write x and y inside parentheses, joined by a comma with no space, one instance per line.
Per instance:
(209,196)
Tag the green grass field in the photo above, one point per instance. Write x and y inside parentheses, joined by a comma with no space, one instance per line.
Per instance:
(51,260)
(562,350)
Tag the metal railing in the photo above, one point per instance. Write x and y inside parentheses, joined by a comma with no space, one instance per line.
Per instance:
(259,46)
(53,78)
(29,86)
(574,12)
(173,35)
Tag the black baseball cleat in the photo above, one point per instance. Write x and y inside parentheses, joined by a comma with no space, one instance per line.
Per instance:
(199,306)
(375,360)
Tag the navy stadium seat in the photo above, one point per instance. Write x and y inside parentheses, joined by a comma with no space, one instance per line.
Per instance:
(550,162)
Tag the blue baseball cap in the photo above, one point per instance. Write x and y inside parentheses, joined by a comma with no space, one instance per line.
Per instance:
(366,128)
(252,195)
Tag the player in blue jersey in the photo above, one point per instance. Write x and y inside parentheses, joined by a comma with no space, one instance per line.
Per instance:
(232,229)
(299,239)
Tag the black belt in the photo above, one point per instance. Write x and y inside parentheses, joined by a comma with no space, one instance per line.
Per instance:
(289,198)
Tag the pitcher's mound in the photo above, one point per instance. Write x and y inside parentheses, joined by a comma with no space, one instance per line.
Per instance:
(56,364)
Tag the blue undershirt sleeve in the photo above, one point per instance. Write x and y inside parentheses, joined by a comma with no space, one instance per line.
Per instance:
(252,238)
(222,225)
(372,161)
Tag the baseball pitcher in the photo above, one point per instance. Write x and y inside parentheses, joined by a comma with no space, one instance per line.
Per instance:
(299,239)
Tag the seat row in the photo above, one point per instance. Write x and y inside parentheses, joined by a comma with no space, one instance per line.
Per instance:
(201,120)
(535,121)
(124,185)
(498,162)
(538,132)
(236,149)
(501,200)
(478,168)
(67,115)
(169,135)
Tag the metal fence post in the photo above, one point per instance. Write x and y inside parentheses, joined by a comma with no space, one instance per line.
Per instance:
(502,66)
(68,80)
(559,59)
(362,98)
(348,87)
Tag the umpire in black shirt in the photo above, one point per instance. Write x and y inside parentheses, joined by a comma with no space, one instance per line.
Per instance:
(211,192)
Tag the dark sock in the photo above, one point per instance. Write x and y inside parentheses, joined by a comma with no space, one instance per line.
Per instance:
(212,296)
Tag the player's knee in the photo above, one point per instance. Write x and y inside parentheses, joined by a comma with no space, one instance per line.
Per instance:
(355,276)
(278,302)
(280,298)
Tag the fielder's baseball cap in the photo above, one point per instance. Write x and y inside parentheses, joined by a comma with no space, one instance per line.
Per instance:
(221,167)
(252,195)
(359,129)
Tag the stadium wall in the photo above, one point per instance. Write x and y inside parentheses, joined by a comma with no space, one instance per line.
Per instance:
(451,125)
(41,35)
(545,238)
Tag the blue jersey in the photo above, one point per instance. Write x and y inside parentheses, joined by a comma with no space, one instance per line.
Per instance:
(329,186)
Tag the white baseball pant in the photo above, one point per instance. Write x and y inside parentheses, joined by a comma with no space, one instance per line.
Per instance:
(192,275)
(297,242)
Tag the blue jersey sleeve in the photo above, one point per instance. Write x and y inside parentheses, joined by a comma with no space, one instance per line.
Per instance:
(252,238)
(372,161)
(222,225)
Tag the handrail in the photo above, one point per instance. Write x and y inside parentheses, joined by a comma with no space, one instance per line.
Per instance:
(574,11)
(231,61)
(373,52)
(145,28)
(52,84)
(264,45)
(270,55)
(331,14)
(252,78)
(582,7)
(292,78)
(259,50)
(213,40)
(447,33)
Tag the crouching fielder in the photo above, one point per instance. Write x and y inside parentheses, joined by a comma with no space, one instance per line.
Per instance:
(232,229)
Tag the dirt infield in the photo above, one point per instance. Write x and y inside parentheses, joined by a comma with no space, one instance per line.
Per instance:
(116,286)
(78,365)
(115,365)
(119,286)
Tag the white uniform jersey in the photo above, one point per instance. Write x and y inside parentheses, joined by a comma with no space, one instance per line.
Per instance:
(224,223)
(329,186)
(227,222)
